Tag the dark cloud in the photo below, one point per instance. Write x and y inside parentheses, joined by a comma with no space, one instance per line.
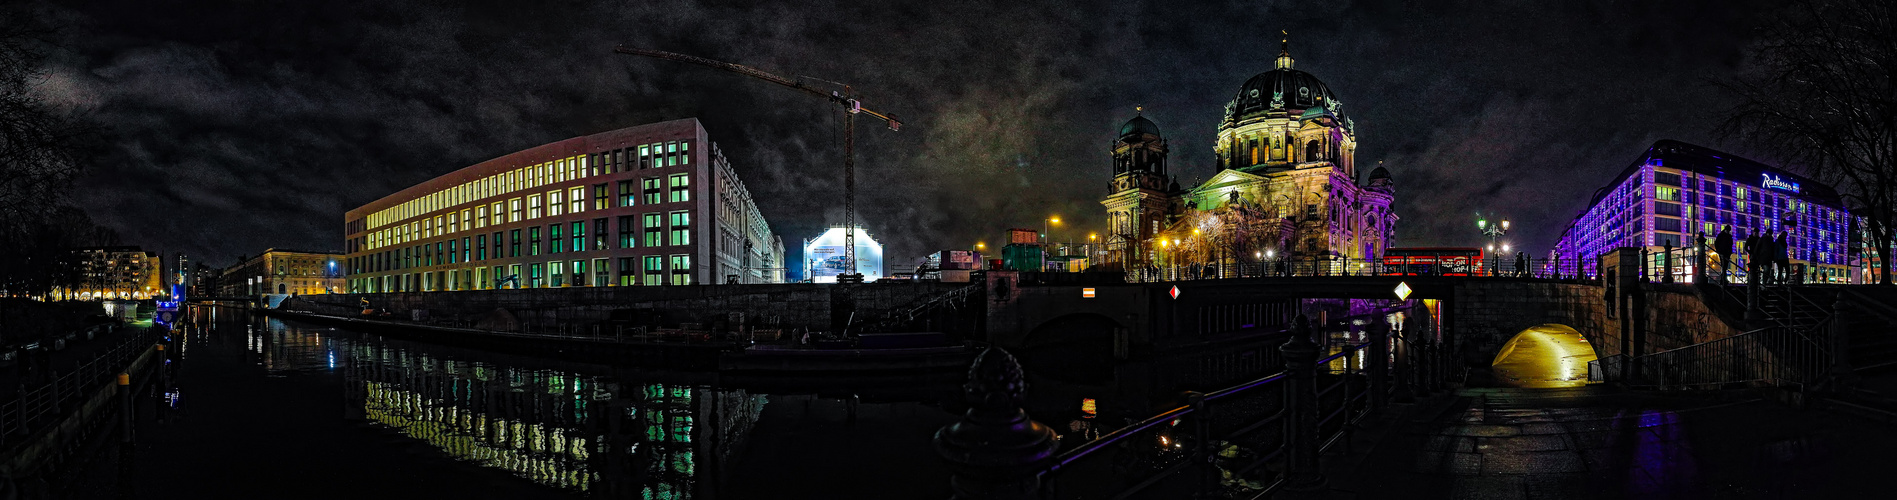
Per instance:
(244,125)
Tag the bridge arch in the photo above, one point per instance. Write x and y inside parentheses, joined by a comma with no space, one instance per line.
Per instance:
(1077,347)
(1548,355)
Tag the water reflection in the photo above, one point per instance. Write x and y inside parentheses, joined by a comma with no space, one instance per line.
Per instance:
(586,434)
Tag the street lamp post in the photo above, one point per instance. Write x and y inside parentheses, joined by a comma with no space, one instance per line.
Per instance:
(1047,237)
(1493,230)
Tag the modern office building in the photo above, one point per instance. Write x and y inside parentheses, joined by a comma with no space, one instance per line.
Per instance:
(1677,191)
(284,272)
(115,272)
(654,204)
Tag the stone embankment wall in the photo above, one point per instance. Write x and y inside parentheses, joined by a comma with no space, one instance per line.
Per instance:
(1487,314)
(808,306)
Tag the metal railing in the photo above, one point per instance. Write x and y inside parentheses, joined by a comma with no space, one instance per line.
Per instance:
(1562,269)
(1216,442)
(48,403)
(1777,356)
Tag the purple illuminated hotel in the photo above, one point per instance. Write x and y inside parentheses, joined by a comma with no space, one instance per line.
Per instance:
(1677,190)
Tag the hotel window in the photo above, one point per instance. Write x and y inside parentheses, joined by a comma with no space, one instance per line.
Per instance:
(628,234)
(681,228)
(654,269)
(467,219)
(671,154)
(655,227)
(497,244)
(681,188)
(466,250)
(480,247)
(480,217)
(600,201)
(553,203)
(628,276)
(428,228)
(515,205)
(579,273)
(1666,193)
(554,243)
(578,235)
(440,228)
(454,223)
(645,157)
(453,253)
(557,271)
(533,241)
(600,275)
(513,249)
(536,275)
(1663,208)
(681,269)
(655,190)
(533,207)
(576,200)
(627,193)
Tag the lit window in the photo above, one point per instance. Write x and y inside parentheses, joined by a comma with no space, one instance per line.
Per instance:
(681,228)
(514,204)
(654,190)
(576,200)
(553,203)
(500,213)
(655,229)
(480,217)
(681,188)
(533,207)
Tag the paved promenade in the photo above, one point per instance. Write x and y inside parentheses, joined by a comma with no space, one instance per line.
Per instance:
(1599,442)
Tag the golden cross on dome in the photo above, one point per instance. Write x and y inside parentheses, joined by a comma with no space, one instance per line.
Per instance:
(1137,109)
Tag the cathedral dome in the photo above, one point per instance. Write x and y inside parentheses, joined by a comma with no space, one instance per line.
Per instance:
(1139,125)
(1281,89)
(1379,173)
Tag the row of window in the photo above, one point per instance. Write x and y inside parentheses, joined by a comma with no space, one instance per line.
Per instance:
(671,189)
(649,270)
(658,229)
(655,155)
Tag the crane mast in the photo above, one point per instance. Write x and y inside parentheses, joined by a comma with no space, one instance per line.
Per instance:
(851,107)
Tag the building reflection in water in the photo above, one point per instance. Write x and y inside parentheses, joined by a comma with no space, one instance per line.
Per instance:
(580,433)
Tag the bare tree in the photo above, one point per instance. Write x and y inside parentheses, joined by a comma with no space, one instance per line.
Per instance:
(41,150)
(1823,94)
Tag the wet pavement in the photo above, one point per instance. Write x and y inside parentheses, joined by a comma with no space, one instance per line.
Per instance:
(1600,442)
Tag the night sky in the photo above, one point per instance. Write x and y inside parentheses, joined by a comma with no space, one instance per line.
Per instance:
(240,125)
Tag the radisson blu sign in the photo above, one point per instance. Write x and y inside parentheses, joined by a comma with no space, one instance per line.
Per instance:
(1773,182)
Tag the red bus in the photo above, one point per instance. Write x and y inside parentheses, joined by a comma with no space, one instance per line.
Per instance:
(1432,261)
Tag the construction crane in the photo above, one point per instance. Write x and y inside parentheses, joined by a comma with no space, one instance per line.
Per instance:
(851,107)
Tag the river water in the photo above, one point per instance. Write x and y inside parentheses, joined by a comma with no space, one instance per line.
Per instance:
(267,408)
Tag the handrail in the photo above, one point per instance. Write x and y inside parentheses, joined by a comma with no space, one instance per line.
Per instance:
(1068,458)
(1113,437)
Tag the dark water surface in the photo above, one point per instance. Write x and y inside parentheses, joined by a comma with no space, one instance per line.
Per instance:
(266,408)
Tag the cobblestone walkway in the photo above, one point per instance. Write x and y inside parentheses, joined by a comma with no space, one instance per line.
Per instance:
(1597,442)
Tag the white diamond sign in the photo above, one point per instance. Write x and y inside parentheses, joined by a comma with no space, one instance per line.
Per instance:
(1175,292)
(1402,291)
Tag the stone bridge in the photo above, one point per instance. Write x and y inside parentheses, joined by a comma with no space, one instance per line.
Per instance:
(1471,315)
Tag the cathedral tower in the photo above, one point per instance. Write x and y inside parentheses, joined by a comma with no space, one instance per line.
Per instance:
(1141,198)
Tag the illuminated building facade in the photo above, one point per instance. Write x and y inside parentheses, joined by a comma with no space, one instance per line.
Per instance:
(654,204)
(1678,191)
(1287,184)
(284,272)
(116,272)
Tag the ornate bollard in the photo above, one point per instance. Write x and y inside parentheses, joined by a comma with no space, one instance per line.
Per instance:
(1302,477)
(996,451)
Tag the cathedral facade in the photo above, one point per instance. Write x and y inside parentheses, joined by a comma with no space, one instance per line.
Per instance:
(1287,186)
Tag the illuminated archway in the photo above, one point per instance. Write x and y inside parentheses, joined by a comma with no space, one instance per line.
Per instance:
(1544,356)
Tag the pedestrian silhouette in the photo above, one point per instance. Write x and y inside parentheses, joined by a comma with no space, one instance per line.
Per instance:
(1722,244)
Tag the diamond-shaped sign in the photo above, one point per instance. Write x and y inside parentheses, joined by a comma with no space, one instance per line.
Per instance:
(1175,292)
(1402,291)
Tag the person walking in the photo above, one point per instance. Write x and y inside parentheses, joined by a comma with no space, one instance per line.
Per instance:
(1722,245)
(1782,258)
(1521,264)
(1752,255)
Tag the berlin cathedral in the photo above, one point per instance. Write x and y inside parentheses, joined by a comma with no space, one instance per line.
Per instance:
(1286,187)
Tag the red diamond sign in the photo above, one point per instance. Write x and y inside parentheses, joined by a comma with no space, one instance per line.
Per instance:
(1175,292)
